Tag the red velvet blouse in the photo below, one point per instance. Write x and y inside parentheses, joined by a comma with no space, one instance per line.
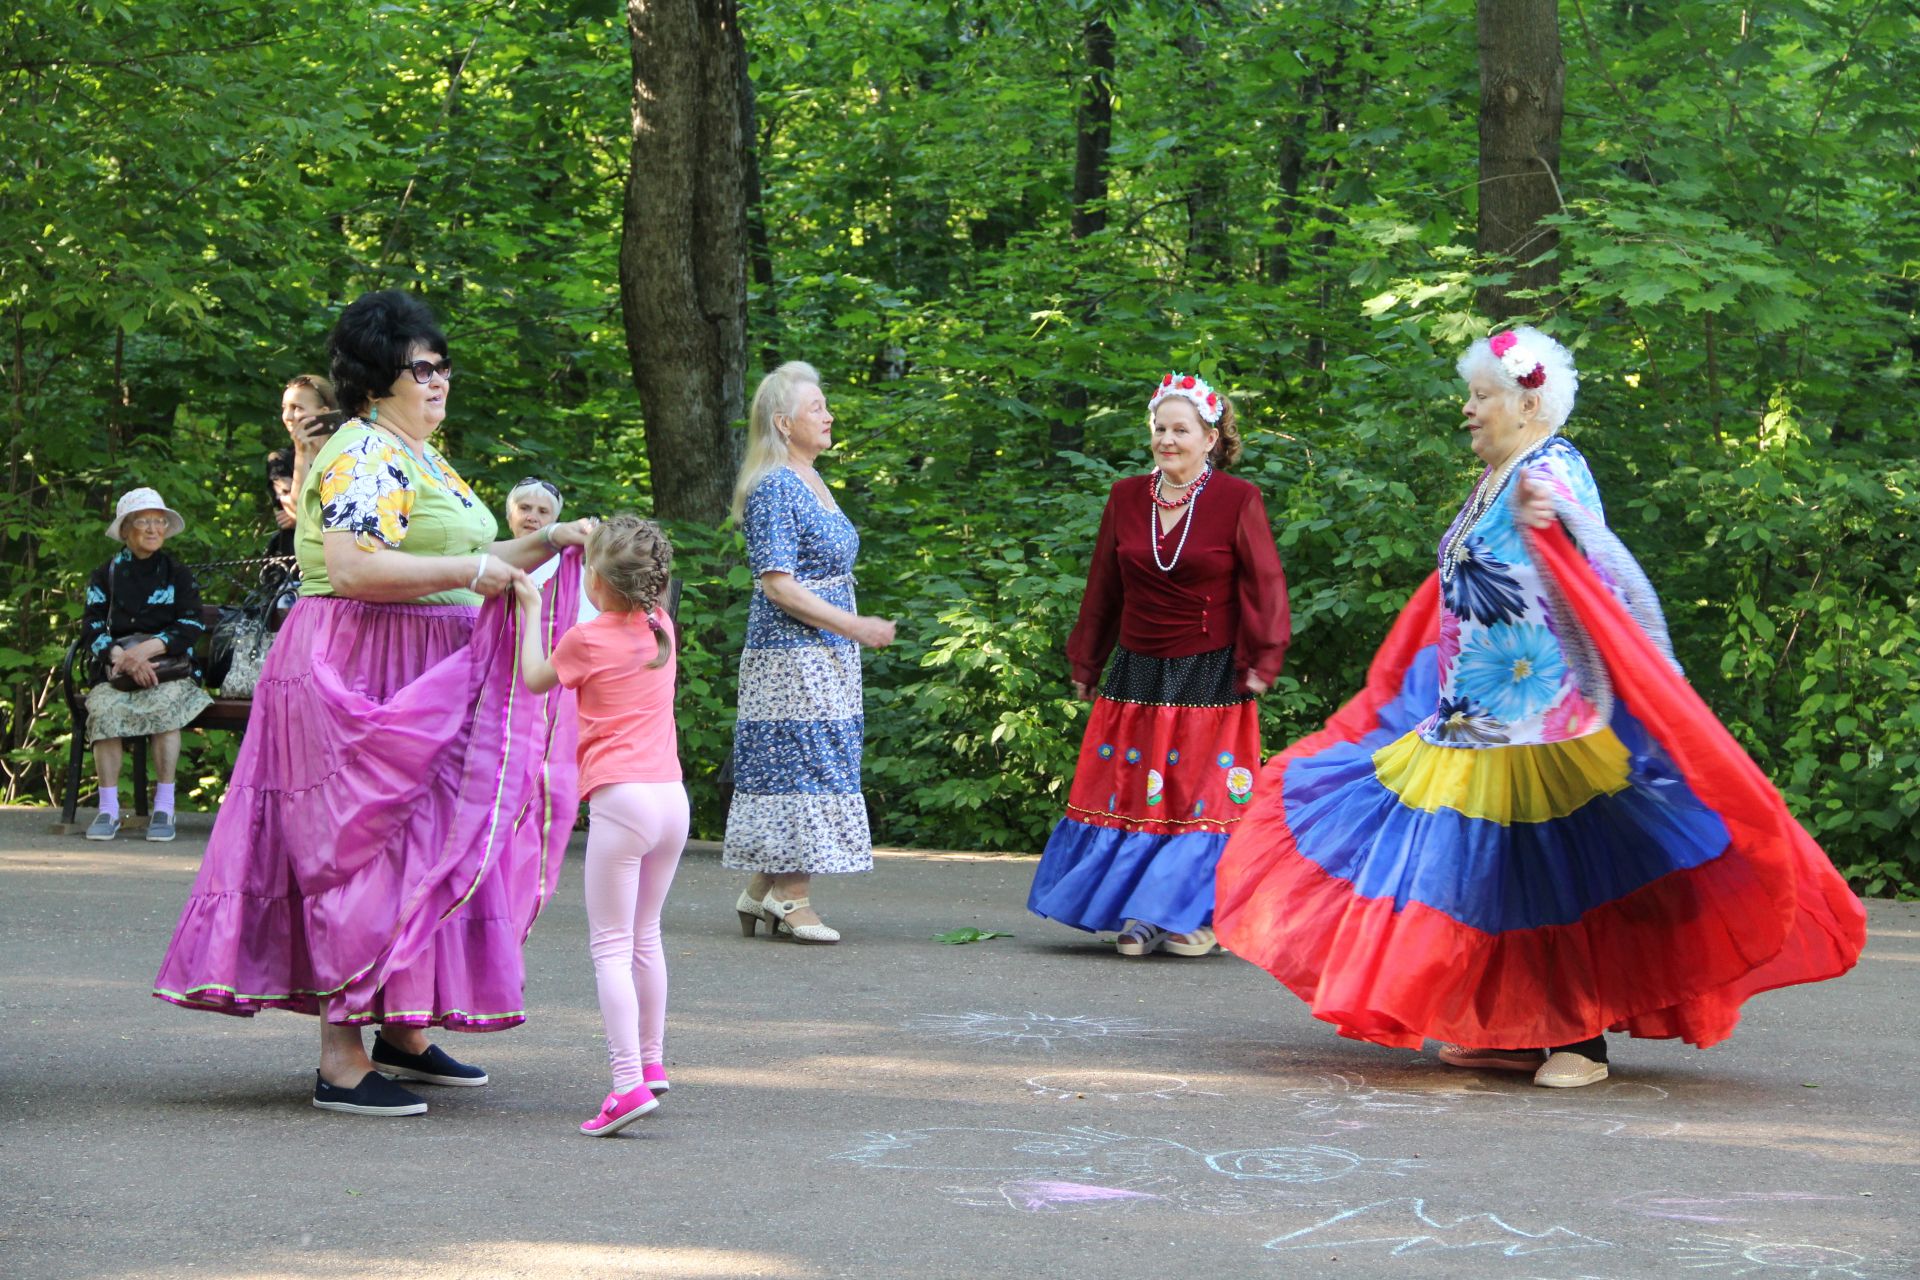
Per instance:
(1227,589)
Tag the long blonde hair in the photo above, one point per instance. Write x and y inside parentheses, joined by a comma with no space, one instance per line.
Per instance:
(633,558)
(776,398)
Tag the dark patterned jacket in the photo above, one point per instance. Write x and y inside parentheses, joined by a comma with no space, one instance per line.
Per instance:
(128,595)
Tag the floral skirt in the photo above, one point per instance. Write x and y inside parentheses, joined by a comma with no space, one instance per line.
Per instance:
(797,803)
(116,713)
(1165,774)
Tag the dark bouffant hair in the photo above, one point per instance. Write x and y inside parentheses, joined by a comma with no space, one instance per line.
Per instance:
(372,340)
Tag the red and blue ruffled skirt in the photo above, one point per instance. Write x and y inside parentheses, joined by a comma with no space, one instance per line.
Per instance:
(1166,772)
(1644,878)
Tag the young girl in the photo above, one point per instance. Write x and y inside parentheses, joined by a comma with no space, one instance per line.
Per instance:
(622,665)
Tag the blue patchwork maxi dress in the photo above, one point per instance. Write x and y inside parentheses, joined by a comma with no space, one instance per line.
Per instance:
(797,805)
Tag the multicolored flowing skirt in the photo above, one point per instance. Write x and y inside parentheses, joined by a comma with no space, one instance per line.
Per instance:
(395,821)
(1165,774)
(1645,878)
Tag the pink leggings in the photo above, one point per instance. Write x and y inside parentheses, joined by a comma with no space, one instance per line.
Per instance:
(633,848)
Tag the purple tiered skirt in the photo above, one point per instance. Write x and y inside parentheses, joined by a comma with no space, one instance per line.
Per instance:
(395,821)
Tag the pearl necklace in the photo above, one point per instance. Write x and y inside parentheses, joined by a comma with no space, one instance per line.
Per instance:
(1191,502)
(1479,503)
(1192,487)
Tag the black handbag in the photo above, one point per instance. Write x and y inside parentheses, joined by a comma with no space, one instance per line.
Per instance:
(168,666)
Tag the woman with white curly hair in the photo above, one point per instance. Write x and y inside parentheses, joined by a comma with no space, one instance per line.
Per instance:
(1527,830)
(532,505)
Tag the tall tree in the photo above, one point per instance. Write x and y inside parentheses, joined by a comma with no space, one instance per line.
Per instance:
(1522,79)
(683,247)
(1092,158)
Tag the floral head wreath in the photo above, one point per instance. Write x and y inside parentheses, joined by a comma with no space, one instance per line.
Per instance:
(1191,389)
(1517,359)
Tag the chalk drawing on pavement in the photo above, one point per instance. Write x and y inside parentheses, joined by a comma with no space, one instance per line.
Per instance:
(1403,1227)
(1083,1168)
(1030,1029)
(1112,1086)
(1345,1101)
(1719,1208)
(1751,1254)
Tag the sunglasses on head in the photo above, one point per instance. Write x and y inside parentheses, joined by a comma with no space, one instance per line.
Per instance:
(548,485)
(423,370)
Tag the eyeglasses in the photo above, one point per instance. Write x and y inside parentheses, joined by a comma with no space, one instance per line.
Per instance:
(423,370)
(544,484)
(148,524)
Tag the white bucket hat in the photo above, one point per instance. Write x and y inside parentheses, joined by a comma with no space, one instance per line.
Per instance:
(135,501)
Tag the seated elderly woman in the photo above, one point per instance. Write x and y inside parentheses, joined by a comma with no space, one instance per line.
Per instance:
(142,617)
(532,505)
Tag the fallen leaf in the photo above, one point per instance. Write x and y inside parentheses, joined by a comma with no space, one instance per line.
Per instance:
(959,936)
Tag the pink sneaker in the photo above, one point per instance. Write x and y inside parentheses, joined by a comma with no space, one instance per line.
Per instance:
(620,1110)
(654,1075)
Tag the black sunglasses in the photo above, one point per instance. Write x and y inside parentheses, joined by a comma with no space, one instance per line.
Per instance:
(548,485)
(423,370)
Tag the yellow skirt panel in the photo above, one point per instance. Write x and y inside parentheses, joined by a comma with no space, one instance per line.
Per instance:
(1504,784)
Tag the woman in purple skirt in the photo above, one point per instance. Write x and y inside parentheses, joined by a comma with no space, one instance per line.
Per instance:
(400,804)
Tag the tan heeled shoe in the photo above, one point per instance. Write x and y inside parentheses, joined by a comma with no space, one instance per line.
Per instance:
(814,934)
(751,913)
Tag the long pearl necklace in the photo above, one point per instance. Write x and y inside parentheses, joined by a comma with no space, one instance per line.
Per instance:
(1454,547)
(1192,504)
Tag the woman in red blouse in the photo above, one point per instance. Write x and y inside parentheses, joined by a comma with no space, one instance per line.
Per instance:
(1187,596)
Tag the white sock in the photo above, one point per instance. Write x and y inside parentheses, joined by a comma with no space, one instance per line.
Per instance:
(163,797)
(110,803)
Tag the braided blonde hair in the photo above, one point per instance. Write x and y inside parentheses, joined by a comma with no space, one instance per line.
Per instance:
(633,558)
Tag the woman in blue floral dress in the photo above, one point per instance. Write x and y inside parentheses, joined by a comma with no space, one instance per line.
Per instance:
(797,807)
(1527,830)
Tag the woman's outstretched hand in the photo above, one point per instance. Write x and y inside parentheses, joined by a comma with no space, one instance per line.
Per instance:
(1532,503)
(573,533)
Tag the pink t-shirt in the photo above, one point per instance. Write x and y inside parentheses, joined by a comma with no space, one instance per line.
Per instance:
(627,732)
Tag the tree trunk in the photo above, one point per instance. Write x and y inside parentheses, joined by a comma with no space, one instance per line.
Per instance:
(1093,142)
(759,243)
(1522,78)
(1093,131)
(683,248)
(1209,246)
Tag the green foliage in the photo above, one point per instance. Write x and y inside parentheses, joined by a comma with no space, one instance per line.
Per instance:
(192,195)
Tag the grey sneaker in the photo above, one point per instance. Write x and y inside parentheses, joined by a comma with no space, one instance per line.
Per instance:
(160,826)
(105,826)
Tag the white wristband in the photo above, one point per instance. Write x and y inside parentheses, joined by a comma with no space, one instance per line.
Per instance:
(479,573)
(546,535)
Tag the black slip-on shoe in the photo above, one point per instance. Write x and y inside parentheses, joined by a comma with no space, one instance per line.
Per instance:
(375,1095)
(435,1066)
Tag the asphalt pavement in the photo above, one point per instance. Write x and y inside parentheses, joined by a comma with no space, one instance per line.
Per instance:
(898,1107)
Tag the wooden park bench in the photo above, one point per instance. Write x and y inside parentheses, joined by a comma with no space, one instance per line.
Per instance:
(220,582)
